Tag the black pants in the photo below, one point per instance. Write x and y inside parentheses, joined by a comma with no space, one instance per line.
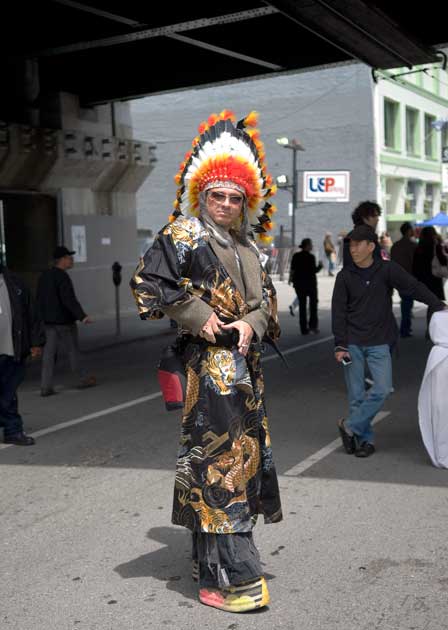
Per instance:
(226,559)
(307,309)
(12,374)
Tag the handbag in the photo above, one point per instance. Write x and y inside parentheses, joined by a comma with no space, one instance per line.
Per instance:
(172,377)
(437,269)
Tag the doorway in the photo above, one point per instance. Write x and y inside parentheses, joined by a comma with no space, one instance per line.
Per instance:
(28,233)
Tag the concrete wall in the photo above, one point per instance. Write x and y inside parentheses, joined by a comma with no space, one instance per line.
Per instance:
(328,109)
(108,239)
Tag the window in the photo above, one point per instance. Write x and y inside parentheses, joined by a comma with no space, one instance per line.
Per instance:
(412,131)
(445,142)
(391,124)
(429,198)
(430,137)
(410,204)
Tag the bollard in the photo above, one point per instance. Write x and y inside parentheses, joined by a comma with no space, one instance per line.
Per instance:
(116,278)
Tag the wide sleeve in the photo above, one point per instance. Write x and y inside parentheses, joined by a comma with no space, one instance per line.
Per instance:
(160,284)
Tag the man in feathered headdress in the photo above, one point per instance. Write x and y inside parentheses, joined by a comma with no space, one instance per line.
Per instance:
(204,271)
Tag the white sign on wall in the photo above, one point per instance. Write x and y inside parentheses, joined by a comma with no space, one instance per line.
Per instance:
(79,243)
(326,186)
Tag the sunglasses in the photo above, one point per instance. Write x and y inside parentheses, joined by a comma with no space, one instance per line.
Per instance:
(218,197)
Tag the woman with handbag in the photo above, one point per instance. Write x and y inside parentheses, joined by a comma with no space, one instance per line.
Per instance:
(204,271)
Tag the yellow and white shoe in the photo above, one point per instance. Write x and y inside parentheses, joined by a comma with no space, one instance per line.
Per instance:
(241,598)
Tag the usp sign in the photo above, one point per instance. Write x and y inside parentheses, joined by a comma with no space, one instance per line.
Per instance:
(326,186)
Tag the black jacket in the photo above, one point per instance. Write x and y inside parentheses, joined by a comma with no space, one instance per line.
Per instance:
(402,252)
(56,299)
(422,268)
(27,329)
(362,311)
(303,271)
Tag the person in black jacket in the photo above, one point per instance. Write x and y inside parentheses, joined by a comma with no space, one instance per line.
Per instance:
(21,335)
(59,309)
(428,247)
(365,329)
(402,252)
(303,277)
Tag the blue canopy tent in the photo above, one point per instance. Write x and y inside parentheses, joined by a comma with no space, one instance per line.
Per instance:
(440,219)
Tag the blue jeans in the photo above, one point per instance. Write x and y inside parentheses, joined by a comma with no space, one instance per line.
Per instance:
(406,316)
(365,405)
(12,374)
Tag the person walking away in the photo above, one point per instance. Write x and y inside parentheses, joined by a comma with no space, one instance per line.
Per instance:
(428,248)
(21,335)
(402,252)
(432,411)
(330,253)
(204,271)
(304,279)
(59,309)
(365,329)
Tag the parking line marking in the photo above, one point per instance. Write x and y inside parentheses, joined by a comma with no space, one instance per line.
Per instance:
(319,455)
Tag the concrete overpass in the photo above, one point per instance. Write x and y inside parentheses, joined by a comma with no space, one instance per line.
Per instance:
(69,165)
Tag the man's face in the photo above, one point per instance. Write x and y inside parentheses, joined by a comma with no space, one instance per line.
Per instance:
(68,262)
(361,251)
(224,205)
(372,220)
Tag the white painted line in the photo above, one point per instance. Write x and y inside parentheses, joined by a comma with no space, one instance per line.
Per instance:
(138,401)
(316,457)
(297,348)
(90,416)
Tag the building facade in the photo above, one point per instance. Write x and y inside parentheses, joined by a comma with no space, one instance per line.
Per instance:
(411,125)
(381,131)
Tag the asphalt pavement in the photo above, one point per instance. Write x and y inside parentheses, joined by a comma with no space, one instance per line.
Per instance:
(86,537)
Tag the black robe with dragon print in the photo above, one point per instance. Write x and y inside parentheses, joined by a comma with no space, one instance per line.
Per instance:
(225,474)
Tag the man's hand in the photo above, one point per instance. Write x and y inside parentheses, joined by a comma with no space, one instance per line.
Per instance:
(245,335)
(341,354)
(211,327)
(87,320)
(36,352)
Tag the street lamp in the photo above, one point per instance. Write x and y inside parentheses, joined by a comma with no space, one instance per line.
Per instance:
(295,146)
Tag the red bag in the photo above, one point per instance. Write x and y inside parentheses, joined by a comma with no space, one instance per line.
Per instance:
(172,377)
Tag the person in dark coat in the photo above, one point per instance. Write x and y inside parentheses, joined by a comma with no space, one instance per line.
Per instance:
(402,252)
(59,309)
(303,277)
(365,329)
(428,246)
(21,335)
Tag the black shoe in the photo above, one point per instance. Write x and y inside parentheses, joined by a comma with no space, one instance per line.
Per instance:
(365,450)
(47,391)
(348,441)
(88,381)
(305,332)
(20,439)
